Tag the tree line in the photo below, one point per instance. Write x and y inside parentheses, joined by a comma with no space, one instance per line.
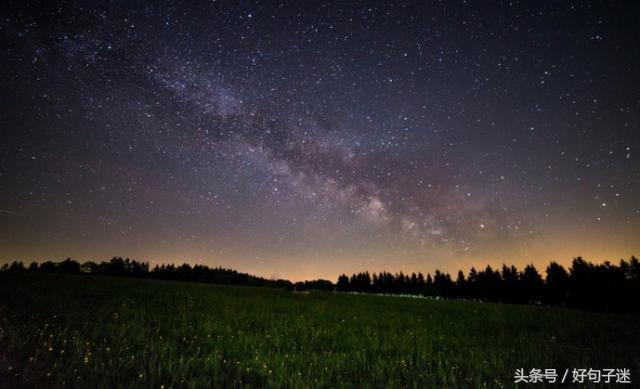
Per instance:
(584,285)
(118,266)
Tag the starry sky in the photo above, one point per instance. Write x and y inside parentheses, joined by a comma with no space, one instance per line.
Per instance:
(307,139)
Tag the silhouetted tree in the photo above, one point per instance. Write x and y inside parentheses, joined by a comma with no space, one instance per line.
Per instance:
(581,275)
(532,284)
(461,285)
(511,290)
(343,283)
(322,285)
(47,267)
(16,266)
(89,267)
(557,284)
(68,266)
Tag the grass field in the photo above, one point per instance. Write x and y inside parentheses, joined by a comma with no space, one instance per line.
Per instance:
(99,332)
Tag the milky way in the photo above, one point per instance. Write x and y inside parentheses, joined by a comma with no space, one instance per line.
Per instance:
(304,139)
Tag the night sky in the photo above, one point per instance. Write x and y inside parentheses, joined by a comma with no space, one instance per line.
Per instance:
(306,139)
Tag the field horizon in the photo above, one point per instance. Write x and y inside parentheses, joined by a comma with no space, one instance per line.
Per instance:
(63,330)
(606,286)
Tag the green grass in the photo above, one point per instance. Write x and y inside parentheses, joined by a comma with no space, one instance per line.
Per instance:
(86,331)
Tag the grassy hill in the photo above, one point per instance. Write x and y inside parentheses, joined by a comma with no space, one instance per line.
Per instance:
(91,331)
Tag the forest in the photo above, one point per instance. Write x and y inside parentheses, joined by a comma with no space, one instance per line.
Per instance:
(583,285)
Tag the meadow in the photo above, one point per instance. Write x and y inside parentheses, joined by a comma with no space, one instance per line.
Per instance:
(108,332)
